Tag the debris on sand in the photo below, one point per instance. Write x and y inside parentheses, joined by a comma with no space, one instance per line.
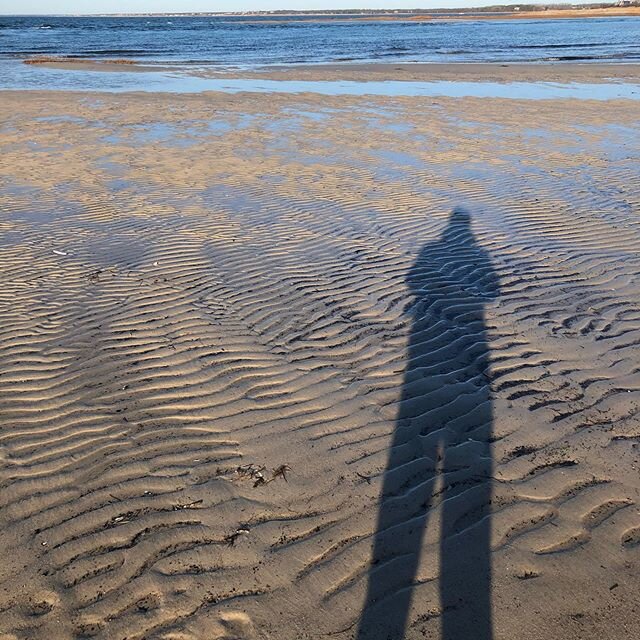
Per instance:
(256,473)
(72,60)
(281,471)
(189,505)
(231,539)
(253,472)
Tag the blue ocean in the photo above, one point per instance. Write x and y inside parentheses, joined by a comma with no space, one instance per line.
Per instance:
(255,41)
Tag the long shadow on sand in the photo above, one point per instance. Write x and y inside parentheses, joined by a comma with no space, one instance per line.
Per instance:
(437,485)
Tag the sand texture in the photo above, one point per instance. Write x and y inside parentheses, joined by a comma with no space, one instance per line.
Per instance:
(285,367)
(566,72)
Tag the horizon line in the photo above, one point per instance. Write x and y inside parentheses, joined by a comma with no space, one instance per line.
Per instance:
(328,11)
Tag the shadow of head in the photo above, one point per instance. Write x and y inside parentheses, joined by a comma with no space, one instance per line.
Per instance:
(452,267)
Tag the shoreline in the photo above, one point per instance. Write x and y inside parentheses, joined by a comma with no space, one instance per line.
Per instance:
(549,14)
(446,71)
(502,72)
(553,14)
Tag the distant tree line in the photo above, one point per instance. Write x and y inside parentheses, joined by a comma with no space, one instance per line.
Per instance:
(498,8)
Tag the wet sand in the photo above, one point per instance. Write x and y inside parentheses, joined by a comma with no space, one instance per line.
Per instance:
(447,72)
(377,72)
(293,366)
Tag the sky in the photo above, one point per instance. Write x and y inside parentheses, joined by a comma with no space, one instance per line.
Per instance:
(166,6)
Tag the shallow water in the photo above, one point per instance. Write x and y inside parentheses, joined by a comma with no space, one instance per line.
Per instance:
(17,76)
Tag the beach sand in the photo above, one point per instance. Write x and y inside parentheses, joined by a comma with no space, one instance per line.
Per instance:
(231,323)
(567,72)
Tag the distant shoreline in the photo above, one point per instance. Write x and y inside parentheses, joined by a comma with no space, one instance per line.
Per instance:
(501,12)
(453,16)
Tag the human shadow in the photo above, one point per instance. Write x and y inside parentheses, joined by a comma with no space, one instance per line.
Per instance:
(440,465)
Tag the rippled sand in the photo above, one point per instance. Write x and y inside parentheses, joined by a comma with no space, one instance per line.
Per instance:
(230,324)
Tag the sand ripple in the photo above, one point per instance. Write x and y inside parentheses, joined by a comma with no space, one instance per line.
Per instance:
(186,303)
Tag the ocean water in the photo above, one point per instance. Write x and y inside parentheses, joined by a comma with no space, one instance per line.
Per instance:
(249,42)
